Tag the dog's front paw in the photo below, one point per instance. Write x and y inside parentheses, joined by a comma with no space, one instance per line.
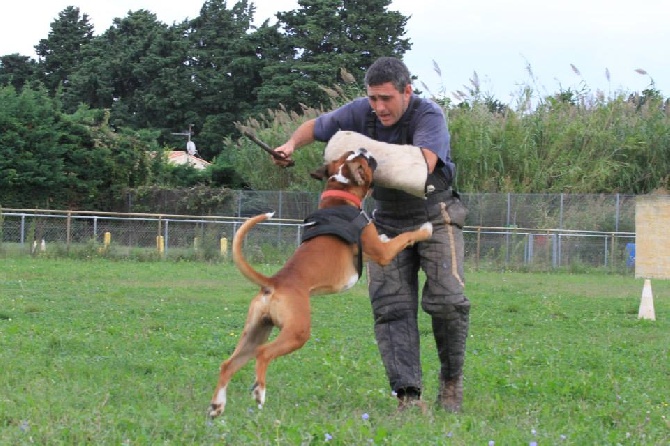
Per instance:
(218,403)
(258,393)
(215,410)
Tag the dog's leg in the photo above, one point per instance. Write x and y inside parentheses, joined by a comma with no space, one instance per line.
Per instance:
(256,331)
(383,250)
(295,332)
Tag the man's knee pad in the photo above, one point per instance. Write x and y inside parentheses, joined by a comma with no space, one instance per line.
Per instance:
(446,305)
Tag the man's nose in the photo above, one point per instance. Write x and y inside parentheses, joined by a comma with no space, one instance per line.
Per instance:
(378,107)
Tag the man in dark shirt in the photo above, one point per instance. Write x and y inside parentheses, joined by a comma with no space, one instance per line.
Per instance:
(391,113)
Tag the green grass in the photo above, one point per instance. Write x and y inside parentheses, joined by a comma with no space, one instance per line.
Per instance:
(127,353)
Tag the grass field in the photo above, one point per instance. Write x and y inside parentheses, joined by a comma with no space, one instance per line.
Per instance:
(127,353)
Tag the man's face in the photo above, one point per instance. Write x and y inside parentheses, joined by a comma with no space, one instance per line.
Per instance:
(388,103)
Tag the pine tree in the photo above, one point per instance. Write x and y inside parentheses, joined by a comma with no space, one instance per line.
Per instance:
(328,36)
(61,52)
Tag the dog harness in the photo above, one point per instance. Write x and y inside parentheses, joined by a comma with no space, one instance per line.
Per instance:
(346,222)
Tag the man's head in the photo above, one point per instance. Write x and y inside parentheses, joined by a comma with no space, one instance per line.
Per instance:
(389,89)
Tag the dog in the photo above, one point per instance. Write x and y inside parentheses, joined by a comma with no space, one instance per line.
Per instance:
(322,264)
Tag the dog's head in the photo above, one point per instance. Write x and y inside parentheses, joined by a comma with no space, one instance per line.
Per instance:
(352,170)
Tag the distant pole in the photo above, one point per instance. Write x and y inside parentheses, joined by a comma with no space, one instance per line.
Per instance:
(187,134)
(190,145)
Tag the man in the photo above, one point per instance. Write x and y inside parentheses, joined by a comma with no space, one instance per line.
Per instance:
(392,114)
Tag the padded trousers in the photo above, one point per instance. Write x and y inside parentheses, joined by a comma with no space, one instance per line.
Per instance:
(394,290)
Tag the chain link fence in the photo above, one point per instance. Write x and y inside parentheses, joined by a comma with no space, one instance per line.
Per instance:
(534,231)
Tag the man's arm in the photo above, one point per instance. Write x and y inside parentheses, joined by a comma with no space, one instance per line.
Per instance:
(302,136)
(431,159)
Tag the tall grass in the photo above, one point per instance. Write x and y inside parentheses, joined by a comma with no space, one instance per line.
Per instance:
(127,353)
(571,141)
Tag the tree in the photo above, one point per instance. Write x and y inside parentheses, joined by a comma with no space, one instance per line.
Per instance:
(16,70)
(327,36)
(203,72)
(224,69)
(137,68)
(100,163)
(91,83)
(157,92)
(138,55)
(60,53)
(51,159)
(31,162)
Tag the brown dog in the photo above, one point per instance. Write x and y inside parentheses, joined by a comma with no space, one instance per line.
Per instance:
(323,264)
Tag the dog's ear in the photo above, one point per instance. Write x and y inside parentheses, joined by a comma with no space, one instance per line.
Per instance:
(321,173)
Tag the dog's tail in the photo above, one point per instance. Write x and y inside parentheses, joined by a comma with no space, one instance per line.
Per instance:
(238,257)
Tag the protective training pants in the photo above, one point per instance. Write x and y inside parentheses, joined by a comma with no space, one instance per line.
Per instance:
(394,290)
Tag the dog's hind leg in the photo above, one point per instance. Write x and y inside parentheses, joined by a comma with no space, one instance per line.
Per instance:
(256,332)
(294,334)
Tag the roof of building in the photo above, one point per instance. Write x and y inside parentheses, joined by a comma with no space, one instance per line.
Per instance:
(181,157)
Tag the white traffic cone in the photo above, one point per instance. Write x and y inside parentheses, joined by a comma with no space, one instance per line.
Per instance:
(647,303)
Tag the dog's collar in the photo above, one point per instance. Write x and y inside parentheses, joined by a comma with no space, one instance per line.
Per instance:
(334,193)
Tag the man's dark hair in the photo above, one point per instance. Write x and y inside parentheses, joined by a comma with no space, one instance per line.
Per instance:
(388,69)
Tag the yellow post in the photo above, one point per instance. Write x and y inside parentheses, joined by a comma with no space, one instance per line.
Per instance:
(196,243)
(160,244)
(107,239)
(224,246)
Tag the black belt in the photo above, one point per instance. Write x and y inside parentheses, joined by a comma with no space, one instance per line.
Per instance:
(415,203)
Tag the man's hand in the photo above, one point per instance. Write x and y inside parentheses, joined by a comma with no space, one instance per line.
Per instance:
(303,135)
(284,161)
(284,158)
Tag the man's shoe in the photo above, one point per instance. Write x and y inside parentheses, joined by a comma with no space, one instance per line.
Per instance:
(450,396)
(410,398)
(405,404)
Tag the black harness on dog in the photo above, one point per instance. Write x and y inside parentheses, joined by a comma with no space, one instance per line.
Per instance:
(346,222)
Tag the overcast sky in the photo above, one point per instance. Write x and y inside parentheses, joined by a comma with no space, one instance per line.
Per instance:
(497,39)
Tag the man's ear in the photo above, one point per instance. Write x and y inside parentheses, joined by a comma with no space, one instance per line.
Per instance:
(321,173)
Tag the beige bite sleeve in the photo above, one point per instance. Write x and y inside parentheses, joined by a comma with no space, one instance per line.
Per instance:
(399,166)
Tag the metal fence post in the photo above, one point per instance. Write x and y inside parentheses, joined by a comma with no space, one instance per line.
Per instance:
(509,212)
(479,246)
(554,250)
(165,230)
(616,213)
(23,229)
(280,206)
(68,231)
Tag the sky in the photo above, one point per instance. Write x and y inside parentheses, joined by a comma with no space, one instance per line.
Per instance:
(549,45)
